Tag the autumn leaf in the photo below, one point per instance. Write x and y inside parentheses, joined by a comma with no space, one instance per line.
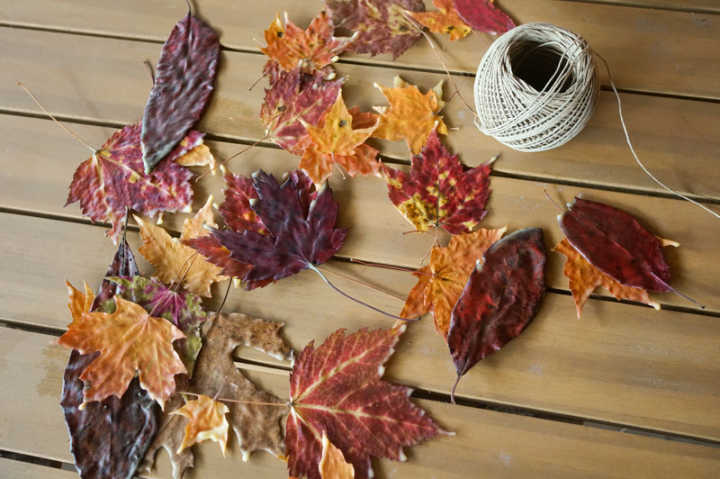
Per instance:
(484,16)
(445,20)
(309,50)
(183,84)
(199,155)
(411,115)
(174,262)
(500,299)
(584,278)
(337,142)
(205,420)
(383,26)
(130,341)
(437,192)
(332,462)
(113,180)
(336,390)
(441,282)
(296,99)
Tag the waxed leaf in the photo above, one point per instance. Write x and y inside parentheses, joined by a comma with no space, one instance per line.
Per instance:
(332,462)
(296,99)
(113,180)
(441,282)
(484,16)
(336,389)
(300,223)
(174,262)
(500,299)
(309,50)
(615,242)
(444,20)
(383,26)
(256,427)
(183,84)
(126,425)
(129,341)
(437,192)
(205,420)
(412,115)
(584,278)
(336,141)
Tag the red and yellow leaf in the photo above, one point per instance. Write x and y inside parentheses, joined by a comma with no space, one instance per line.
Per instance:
(444,20)
(205,420)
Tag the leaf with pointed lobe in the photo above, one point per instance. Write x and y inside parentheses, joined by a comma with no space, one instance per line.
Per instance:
(444,20)
(484,16)
(332,462)
(438,192)
(184,81)
(205,420)
(199,155)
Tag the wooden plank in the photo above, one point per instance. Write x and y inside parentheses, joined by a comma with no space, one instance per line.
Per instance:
(10,468)
(676,138)
(621,363)
(502,445)
(682,63)
(698,6)
(38,173)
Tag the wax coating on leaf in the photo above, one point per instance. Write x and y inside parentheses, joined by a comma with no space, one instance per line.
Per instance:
(484,16)
(185,75)
(444,20)
(500,299)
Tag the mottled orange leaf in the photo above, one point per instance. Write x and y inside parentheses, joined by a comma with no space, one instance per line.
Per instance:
(175,262)
(584,278)
(130,342)
(198,156)
(332,463)
(445,20)
(206,420)
(335,141)
(441,282)
(411,115)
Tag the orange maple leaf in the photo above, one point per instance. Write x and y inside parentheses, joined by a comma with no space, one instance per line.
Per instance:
(206,420)
(584,278)
(411,115)
(177,263)
(335,141)
(312,49)
(332,462)
(198,156)
(445,20)
(441,282)
(129,341)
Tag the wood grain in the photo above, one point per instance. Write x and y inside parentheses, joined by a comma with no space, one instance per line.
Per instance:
(23,470)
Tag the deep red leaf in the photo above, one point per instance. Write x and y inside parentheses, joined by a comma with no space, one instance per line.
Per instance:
(484,16)
(614,241)
(336,389)
(184,82)
(500,299)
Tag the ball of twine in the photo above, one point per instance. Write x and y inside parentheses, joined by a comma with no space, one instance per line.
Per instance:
(536,87)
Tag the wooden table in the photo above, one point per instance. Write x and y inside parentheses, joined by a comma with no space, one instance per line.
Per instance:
(625,392)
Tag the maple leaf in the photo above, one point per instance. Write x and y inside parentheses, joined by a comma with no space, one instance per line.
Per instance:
(445,20)
(300,223)
(383,26)
(484,16)
(113,181)
(176,263)
(130,341)
(337,142)
(441,282)
(336,389)
(584,278)
(296,99)
(500,299)
(309,50)
(437,192)
(183,84)
(199,155)
(411,115)
(332,462)
(205,420)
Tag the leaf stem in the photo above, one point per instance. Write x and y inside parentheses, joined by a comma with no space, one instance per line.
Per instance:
(383,266)
(679,293)
(452,391)
(227,291)
(364,283)
(240,401)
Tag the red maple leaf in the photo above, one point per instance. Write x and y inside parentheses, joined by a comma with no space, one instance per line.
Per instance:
(336,389)
(437,192)
(185,77)
(113,180)
(484,16)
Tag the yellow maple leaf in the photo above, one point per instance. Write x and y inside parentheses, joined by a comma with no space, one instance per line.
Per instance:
(332,462)
(411,115)
(130,342)
(441,282)
(199,156)
(175,262)
(584,278)
(335,141)
(445,20)
(206,420)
